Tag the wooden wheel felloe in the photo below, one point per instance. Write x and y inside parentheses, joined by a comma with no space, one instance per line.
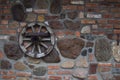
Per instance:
(36,40)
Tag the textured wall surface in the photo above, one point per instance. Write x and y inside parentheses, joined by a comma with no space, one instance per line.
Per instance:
(87,46)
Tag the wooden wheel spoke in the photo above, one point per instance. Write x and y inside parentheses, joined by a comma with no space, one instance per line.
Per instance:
(28,45)
(26,39)
(44,45)
(45,39)
(33,48)
(33,30)
(39,49)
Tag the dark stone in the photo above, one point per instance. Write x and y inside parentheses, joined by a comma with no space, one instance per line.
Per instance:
(4,2)
(116,77)
(28,3)
(90,50)
(53,57)
(13,38)
(55,7)
(12,50)
(72,15)
(66,2)
(102,50)
(84,52)
(72,25)
(56,25)
(18,12)
(71,48)
(93,68)
(41,4)
(116,70)
(62,16)
(5,64)
(89,44)
(40,71)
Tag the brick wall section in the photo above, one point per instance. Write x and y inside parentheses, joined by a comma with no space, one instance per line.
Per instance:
(98,17)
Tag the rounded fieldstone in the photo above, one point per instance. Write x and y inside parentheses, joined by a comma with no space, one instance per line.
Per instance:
(31,17)
(68,64)
(102,49)
(84,52)
(33,60)
(90,50)
(72,15)
(20,66)
(55,7)
(86,29)
(80,73)
(82,62)
(5,64)
(52,57)
(12,51)
(41,4)
(72,25)
(56,25)
(116,51)
(40,71)
(70,48)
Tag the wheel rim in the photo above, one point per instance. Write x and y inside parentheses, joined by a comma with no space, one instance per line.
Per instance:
(36,40)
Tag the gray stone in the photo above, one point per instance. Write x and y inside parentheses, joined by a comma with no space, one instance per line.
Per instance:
(71,48)
(102,49)
(12,51)
(55,7)
(116,51)
(40,71)
(72,15)
(68,64)
(5,64)
(94,16)
(80,73)
(84,52)
(116,70)
(72,25)
(20,66)
(107,76)
(53,57)
(41,4)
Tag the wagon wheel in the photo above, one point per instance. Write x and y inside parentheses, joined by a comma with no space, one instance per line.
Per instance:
(36,40)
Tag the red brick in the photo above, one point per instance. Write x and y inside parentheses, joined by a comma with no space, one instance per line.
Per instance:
(80,8)
(117,26)
(1,55)
(104,64)
(116,15)
(77,33)
(53,67)
(117,5)
(10,72)
(117,77)
(115,10)
(4,22)
(8,77)
(117,65)
(92,5)
(98,32)
(114,21)
(107,15)
(102,21)
(9,32)
(70,7)
(23,74)
(59,34)
(67,78)
(104,69)
(51,72)
(64,72)
(55,78)
(87,21)
(116,31)
(6,11)
(92,10)
(68,32)
(92,77)
(52,17)
(3,72)
(93,68)
(113,1)
(66,2)
(108,26)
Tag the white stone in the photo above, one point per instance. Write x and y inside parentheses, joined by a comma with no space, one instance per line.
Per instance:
(86,29)
(68,64)
(116,51)
(77,2)
(81,15)
(80,73)
(94,16)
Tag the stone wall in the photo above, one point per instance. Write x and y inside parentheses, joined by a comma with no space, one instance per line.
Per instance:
(88,40)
